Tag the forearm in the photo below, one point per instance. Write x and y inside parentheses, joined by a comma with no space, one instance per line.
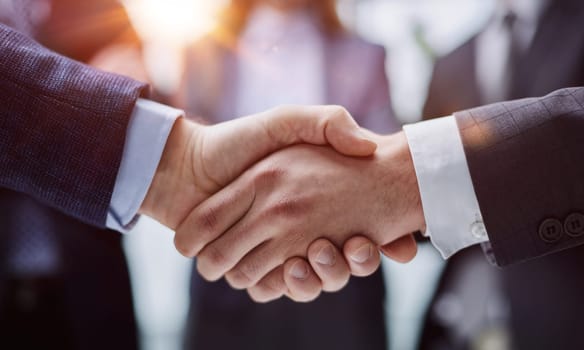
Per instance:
(63,127)
(525,159)
(452,213)
(508,173)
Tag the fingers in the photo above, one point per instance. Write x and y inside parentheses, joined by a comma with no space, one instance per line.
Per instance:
(303,284)
(329,273)
(295,279)
(241,252)
(402,250)
(329,264)
(215,216)
(270,288)
(254,266)
(328,270)
(319,125)
(362,255)
(244,253)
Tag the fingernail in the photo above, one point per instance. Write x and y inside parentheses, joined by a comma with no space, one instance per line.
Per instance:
(299,271)
(326,256)
(362,254)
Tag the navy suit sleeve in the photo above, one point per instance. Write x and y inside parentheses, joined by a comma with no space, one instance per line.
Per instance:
(62,127)
(526,160)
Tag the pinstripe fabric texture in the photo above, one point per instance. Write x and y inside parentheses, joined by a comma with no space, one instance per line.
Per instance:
(62,127)
(526,159)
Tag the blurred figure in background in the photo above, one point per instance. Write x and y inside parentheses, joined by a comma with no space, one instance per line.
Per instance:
(265,53)
(64,284)
(529,48)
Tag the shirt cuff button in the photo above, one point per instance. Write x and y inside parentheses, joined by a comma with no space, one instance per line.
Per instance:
(478,230)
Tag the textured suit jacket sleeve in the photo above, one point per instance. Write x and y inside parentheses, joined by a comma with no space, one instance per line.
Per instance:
(526,160)
(62,127)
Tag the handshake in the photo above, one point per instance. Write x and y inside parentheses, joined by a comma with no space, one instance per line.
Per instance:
(269,201)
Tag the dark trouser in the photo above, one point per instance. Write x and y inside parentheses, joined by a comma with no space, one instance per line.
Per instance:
(33,314)
(221,318)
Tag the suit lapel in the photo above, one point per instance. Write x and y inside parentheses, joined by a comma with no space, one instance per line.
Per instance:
(464,72)
(470,72)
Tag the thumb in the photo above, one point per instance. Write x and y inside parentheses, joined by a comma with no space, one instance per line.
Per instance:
(345,136)
(319,125)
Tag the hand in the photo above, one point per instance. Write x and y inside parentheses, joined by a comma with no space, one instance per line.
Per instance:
(277,208)
(328,271)
(200,160)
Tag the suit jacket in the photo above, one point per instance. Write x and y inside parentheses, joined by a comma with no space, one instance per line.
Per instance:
(62,132)
(517,192)
(221,318)
(63,128)
(549,64)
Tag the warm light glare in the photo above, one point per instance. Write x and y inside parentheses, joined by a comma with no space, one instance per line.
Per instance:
(175,22)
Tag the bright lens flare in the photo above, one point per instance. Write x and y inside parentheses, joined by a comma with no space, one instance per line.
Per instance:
(174,22)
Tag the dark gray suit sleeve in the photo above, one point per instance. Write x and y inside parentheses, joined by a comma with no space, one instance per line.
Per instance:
(526,160)
(62,127)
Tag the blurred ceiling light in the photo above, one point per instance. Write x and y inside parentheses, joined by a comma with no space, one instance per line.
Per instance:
(174,22)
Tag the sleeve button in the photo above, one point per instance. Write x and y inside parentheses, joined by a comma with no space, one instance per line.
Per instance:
(551,230)
(574,225)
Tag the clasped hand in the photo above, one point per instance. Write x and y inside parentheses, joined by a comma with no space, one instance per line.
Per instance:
(269,200)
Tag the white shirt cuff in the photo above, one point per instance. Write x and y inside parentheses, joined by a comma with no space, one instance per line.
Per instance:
(451,209)
(148,130)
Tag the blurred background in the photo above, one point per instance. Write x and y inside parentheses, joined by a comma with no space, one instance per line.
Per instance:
(414,33)
(390,62)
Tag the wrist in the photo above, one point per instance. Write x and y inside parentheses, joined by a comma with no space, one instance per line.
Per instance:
(172,176)
(403,199)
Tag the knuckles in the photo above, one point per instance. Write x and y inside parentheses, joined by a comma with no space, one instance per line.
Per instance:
(269,175)
(185,249)
(210,261)
(243,276)
(207,220)
(286,207)
(338,112)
